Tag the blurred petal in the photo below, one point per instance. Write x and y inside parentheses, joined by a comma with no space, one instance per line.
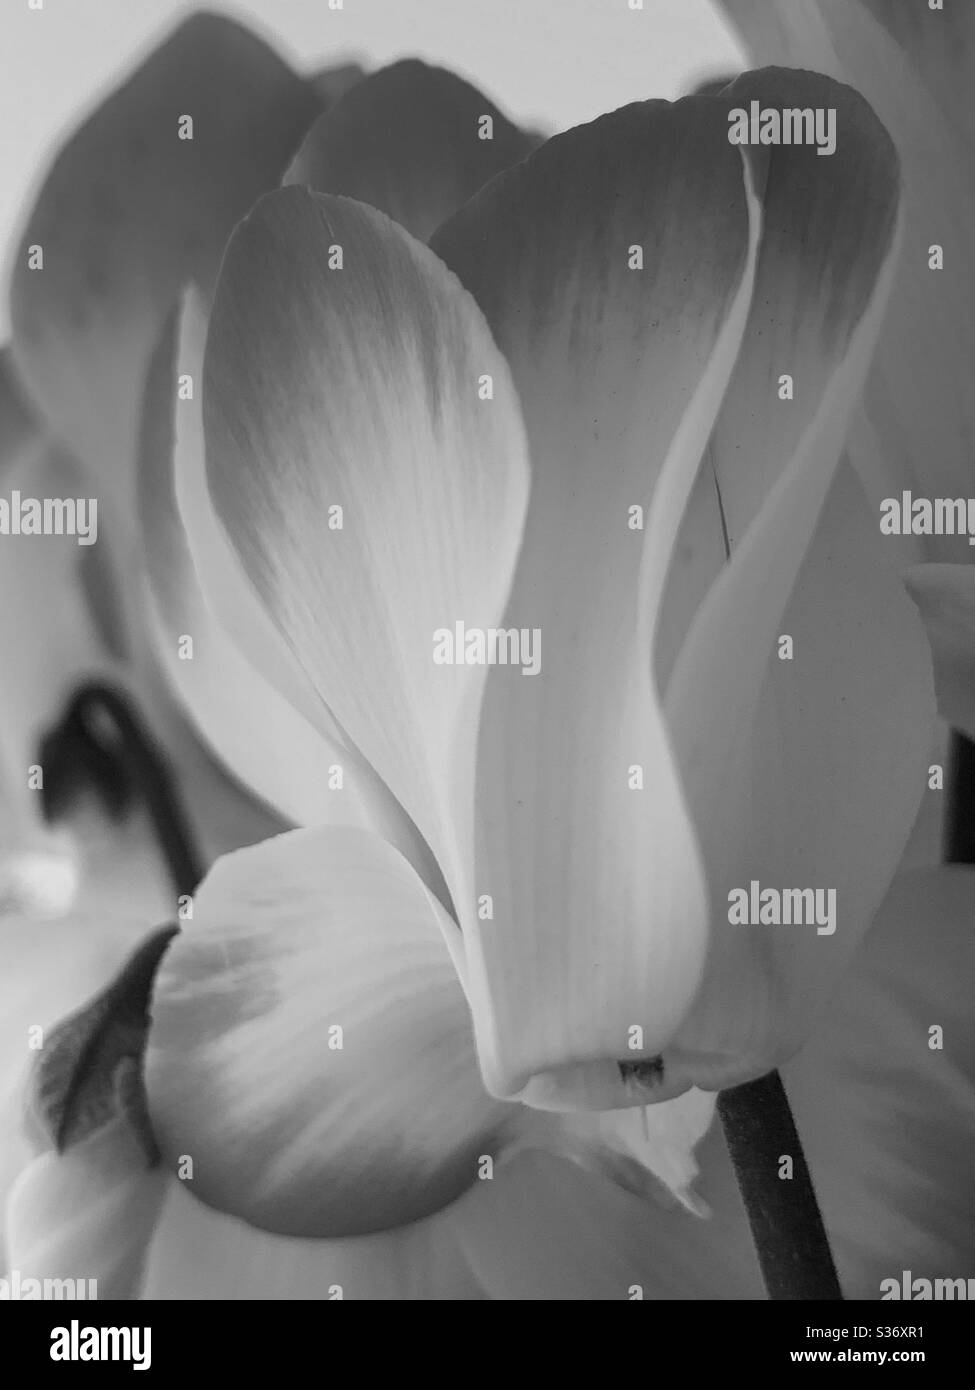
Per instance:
(357,389)
(310,1046)
(545,1229)
(60,616)
(821,792)
(47,970)
(198,1253)
(711,86)
(408,140)
(87,1213)
(540,1228)
(236,681)
(19,427)
(926,846)
(599,907)
(332,83)
(913,64)
(48,630)
(945,596)
(130,211)
(886,1114)
(25,446)
(86,1208)
(50,969)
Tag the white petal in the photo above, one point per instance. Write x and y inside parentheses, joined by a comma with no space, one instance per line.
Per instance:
(599,921)
(310,1048)
(198,1253)
(86,1214)
(357,388)
(241,684)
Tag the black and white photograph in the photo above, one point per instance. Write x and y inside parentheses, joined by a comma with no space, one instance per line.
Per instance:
(487,665)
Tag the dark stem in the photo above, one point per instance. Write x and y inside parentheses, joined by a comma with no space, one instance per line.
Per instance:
(787,1228)
(103,736)
(959,833)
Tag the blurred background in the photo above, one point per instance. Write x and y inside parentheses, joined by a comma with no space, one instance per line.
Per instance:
(548,64)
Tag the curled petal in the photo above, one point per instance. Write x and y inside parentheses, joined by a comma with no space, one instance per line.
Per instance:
(412,140)
(614,267)
(821,284)
(916,429)
(310,1050)
(820,792)
(884,1092)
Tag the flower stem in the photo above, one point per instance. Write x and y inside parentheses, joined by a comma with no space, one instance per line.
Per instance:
(103,737)
(959,836)
(787,1228)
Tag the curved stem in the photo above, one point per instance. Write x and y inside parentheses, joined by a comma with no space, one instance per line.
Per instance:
(787,1228)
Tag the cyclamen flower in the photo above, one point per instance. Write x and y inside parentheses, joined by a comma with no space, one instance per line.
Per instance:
(361,385)
(534,874)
